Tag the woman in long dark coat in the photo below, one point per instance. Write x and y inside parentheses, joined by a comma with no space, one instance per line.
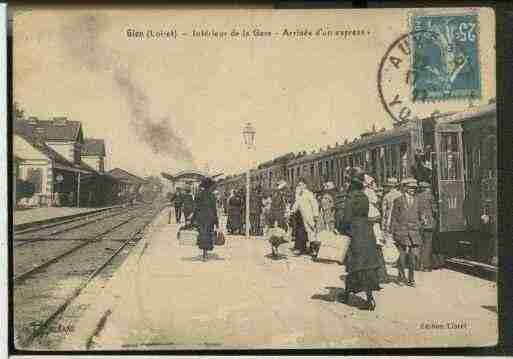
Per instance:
(235,213)
(205,216)
(362,263)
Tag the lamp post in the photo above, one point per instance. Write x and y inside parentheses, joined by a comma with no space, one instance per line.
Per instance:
(248,133)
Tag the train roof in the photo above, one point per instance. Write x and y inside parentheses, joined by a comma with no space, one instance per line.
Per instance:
(361,142)
(473,113)
(277,160)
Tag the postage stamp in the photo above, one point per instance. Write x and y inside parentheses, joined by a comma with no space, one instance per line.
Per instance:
(445,57)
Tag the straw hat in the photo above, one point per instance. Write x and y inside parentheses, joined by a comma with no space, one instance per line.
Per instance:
(409,182)
(329,186)
(282,184)
(392,182)
(424,184)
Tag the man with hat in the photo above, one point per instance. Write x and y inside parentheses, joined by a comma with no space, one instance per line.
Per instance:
(279,206)
(427,211)
(178,202)
(391,193)
(187,204)
(255,210)
(405,226)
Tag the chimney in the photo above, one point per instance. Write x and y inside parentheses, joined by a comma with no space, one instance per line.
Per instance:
(336,144)
(60,121)
(346,141)
(328,148)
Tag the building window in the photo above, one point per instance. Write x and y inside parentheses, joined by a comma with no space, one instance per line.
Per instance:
(35,176)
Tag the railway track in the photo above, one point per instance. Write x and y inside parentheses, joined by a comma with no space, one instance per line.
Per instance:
(51,230)
(42,293)
(39,252)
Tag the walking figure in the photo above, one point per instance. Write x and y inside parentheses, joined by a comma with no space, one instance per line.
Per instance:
(405,226)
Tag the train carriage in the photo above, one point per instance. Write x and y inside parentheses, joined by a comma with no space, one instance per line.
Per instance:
(455,152)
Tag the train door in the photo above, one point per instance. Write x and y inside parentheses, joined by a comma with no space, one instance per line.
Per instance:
(449,174)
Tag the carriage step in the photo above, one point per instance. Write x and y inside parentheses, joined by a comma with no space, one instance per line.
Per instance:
(479,269)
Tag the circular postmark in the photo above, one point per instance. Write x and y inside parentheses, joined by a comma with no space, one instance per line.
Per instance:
(405,92)
(395,80)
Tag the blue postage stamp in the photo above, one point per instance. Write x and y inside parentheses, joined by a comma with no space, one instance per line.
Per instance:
(445,57)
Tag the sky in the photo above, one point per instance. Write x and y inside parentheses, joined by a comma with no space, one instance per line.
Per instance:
(169,104)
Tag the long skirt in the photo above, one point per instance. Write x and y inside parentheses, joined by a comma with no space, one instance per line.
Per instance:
(382,270)
(234,221)
(300,233)
(206,237)
(362,281)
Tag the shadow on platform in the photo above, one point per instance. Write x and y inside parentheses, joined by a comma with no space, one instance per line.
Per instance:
(199,258)
(335,294)
(276,257)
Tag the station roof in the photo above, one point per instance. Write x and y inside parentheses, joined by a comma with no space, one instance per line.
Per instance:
(123,175)
(93,147)
(58,129)
(58,160)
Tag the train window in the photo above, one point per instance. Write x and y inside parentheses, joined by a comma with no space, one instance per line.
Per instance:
(395,161)
(332,164)
(450,157)
(404,160)
(312,170)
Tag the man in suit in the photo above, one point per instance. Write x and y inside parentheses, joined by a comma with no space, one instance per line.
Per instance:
(405,227)
(255,210)
(428,210)
(187,205)
(177,201)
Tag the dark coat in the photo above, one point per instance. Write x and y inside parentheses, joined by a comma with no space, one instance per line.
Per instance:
(427,207)
(255,203)
(340,198)
(363,252)
(177,200)
(205,217)
(187,202)
(278,207)
(235,212)
(406,221)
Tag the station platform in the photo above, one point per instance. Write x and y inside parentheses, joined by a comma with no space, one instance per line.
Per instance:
(164,297)
(26,217)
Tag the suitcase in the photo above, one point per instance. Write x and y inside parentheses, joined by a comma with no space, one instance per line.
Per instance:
(187,237)
(333,246)
(390,253)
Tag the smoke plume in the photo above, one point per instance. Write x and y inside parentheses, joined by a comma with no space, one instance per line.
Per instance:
(82,38)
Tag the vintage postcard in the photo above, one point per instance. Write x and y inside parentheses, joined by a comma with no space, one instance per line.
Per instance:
(189,179)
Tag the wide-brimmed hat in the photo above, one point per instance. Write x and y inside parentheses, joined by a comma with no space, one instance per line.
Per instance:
(392,182)
(329,186)
(281,184)
(207,182)
(357,175)
(409,182)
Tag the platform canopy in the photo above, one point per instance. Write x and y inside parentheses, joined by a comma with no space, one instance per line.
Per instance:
(188,175)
